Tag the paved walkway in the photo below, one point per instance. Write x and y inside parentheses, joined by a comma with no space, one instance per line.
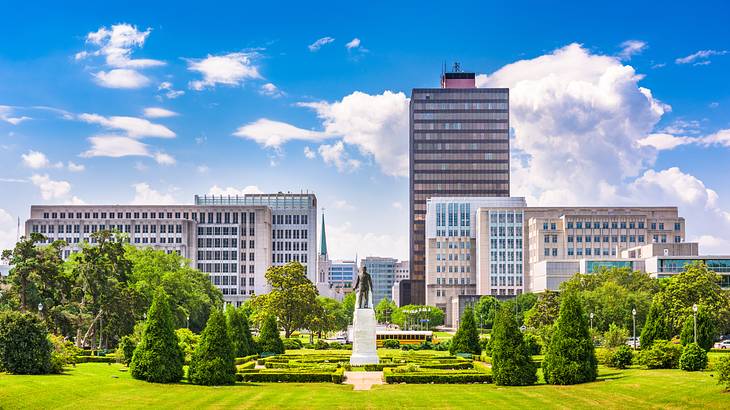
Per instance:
(363,380)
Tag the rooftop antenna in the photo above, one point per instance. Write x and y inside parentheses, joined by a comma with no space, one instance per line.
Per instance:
(457,67)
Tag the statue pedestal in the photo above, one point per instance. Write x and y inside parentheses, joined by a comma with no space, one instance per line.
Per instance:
(364,347)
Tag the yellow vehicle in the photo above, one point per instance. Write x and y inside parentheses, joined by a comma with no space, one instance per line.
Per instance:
(405,337)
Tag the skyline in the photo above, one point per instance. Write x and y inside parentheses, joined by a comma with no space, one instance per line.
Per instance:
(140,100)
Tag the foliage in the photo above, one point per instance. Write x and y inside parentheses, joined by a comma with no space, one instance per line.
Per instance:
(213,361)
(290,376)
(158,357)
(64,353)
(661,354)
(321,345)
(292,298)
(434,315)
(705,329)
(188,341)
(615,336)
(348,307)
(694,358)
(384,310)
(437,377)
(723,372)
(485,310)
(533,343)
(466,339)
(292,344)
(269,339)
(511,360)
(545,311)
(621,357)
(126,349)
(24,344)
(570,357)
(239,332)
(327,316)
(391,344)
(524,302)
(656,326)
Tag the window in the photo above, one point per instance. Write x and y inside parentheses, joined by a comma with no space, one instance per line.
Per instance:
(570,225)
(677,226)
(661,226)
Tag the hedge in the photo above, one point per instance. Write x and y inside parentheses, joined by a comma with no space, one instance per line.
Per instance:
(96,359)
(246,359)
(439,378)
(460,365)
(294,377)
(246,366)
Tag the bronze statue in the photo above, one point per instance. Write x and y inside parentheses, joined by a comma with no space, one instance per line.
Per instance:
(363,287)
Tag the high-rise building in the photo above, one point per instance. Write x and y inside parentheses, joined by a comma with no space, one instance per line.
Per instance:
(402,273)
(459,146)
(382,272)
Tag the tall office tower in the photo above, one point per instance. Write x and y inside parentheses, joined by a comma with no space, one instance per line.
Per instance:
(382,271)
(459,146)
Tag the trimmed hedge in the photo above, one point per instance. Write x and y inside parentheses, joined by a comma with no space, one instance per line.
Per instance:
(426,377)
(246,366)
(96,359)
(293,377)
(246,359)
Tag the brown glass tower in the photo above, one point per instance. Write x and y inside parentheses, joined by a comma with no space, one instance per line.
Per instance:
(459,146)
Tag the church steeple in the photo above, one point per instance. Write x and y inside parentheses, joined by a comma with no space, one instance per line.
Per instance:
(323,244)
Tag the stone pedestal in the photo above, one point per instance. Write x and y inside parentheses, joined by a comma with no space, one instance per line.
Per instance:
(364,347)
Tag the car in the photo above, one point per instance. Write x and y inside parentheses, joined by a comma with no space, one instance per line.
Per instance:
(725,344)
(630,342)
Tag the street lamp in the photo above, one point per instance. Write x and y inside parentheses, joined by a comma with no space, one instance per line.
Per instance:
(187,321)
(694,313)
(633,315)
(591,316)
(40,307)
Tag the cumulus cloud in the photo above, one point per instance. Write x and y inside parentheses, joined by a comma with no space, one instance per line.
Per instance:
(309,153)
(721,137)
(273,134)
(169,91)
(354,43)
(701,57)
(121,78)
(164,159)
(663,141)
(74,167)
(229,69)
(6,114)
(158,112)
(49,188)
(271,90)
(630,48)
(35,160)
(336,155)
(133,127)
(320,43)
(115,146)
(145,195)
(233,191)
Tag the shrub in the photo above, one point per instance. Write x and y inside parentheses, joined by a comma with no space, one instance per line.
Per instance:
(621,357)
(571,356)
(188,341)
(24,344)
(656,326)
(246,366)
(239,332)
(466,339)
(615,336)
(294,376)
(661,355)
(705,330)
(511,361)
(158,357)
(693,358)
(269,339)
(125,350)
(321,345)
(213,360)
(96,359)
(533,343)
(424,377)
(63,354)
(292,344)
(391,344)
(723,372)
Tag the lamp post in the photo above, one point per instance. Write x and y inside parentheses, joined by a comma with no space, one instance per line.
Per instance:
(694,313)
(633,315)
(591,316)
(40,310)
(187,321)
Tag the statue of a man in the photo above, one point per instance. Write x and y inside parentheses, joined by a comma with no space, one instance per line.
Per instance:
(363,287)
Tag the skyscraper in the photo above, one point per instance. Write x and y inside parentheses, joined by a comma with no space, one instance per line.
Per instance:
(459,146)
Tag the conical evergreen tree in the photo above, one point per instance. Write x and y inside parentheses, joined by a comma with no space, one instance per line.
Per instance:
(158,357)
(466,339)
(571,356)
(512,364)
(656,326)
(269,339)
(237,331)
(705,330)
(213,361)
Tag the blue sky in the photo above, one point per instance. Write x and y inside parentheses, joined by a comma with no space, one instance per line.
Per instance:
(618,104)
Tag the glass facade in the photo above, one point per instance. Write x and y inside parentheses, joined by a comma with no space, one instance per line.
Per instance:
(506,274)
(594,266)
(459,146)
(382,272)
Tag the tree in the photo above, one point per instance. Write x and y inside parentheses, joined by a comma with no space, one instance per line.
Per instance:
(188,341)
(694,358)
(348,307)
(655,327)
(292,298)
(466,339)
(571,357)
(412,316)
(327,317)
(615,336)
(524,303)
(239,331)
(269,339)
(511,361)
(24,344)
(158,357)
(485,310)
(545,311)
(384,310)
(213,361)
(705,329)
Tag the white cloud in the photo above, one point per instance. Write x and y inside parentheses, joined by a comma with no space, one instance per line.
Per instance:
(115,146)
(343,205)
(164,159)
(320,43)
(116,45)
(664,141)
(6,113)
(680,126)
(309,153)
(74,201)
(701,57)
(336,155)
(8,230)
(145,195)
(354,43)
(35,160)
(230,69)
(232,191)
(73,167)
(121,78)
(158,112)
(721,137)
(49,188)
(343,242)
(397,205)
(134,127)
(271,90)
(170,92)
(630,48)
(273,134)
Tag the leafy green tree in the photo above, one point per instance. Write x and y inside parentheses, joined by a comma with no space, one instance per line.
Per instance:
(723,372)
(158,357)
(656,326)
(511,360)
(238,331)
(694,358)
(24,344)
(434,315)
(524,302)
(269,339)
(615,336)
(384,310)
(705,329)
(466,339)
(292,299)
(188,341)
(485,310)
(348,306)
(571,357)
(213,361)
(545,311)
(329,316)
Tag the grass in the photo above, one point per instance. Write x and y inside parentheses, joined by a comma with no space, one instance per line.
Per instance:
(96,385)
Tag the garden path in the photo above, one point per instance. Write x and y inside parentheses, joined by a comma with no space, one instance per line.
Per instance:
(363,380)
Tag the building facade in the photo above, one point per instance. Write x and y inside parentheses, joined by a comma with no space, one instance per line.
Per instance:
(458,146)
(382,272)
(402,273)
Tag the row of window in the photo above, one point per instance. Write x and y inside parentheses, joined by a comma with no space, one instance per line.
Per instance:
(290,246)
(506,243)
(288,257)
(224,256)
(460,156)
(453,269)
(596,238)
(460,116)
(453,257)
(453,245)
(505,280)
(505,217)
(506,230)
(468,126)
(453,232)
(202,217)
(224,268)
(503,256)
(461,106)
(289,233)
(290,219)
(453,281)
(613,225)
(505,269)
(77,228)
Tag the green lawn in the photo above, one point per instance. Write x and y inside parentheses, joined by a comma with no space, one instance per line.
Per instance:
(96,385)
